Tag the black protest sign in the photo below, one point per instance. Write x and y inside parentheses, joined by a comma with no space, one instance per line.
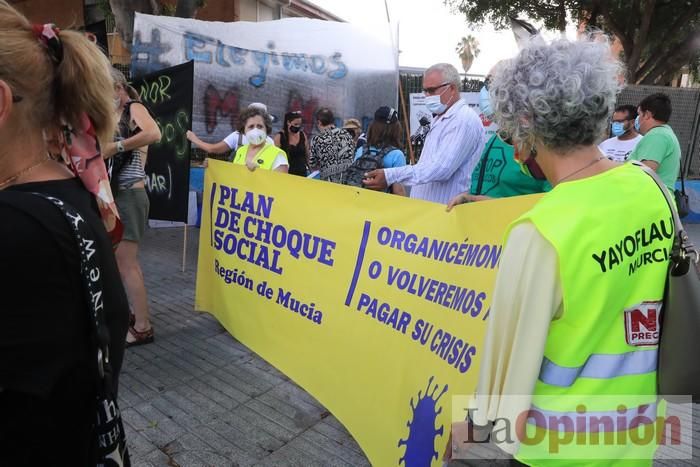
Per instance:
(168,95)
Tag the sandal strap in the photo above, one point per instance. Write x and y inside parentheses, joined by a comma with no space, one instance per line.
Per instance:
(141,335)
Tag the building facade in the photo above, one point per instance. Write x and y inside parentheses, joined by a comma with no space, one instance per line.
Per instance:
(94,16)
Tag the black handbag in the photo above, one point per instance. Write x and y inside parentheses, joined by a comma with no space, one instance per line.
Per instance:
(109,443)
(680,325)
(682,201)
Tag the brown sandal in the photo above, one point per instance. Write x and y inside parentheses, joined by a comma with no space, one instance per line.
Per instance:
(140,337)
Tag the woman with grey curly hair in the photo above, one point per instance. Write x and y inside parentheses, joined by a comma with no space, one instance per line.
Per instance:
(574,315)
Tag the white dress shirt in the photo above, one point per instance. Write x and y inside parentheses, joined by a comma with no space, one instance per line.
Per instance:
(452,149)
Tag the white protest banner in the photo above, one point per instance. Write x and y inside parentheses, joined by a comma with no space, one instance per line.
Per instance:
(293,64)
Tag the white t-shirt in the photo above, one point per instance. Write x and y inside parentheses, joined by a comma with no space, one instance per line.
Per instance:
(279,160)
(618,150)
(232,140)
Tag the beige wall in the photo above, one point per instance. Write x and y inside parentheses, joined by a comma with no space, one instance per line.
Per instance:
(65,13)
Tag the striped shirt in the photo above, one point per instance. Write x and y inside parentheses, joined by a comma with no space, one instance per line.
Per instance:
(132,172)
(452,148)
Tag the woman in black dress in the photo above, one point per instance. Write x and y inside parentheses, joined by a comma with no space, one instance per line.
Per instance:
(294,142)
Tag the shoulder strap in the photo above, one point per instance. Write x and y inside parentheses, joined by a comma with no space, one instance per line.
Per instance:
(240,140)
(239,153)
(109,429)
(682,247)
(482,168)
(685,166)
(145,106)
(91,275)
(387,149)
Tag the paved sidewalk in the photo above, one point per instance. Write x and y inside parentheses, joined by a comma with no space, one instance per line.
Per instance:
(197,397)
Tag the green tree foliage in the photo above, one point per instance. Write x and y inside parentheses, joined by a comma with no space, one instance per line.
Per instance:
(658,37)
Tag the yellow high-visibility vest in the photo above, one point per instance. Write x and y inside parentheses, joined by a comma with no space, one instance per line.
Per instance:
(613,235)
(265,157)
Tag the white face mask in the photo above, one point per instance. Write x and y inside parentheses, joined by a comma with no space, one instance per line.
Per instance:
(256,136)
(434,105)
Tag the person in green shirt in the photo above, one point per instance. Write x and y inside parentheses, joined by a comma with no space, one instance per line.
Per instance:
(659,149)
(497,174)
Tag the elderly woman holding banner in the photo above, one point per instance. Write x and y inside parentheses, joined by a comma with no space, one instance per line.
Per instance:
(255,124)
(566,304)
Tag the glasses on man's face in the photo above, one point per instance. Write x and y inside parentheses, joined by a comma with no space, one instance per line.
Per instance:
(430,91)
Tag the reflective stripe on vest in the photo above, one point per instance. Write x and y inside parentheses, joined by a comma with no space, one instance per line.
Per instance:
(608,421)
(600,366)
(590,366)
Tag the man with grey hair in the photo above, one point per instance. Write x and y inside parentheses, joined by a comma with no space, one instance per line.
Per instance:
(451,149)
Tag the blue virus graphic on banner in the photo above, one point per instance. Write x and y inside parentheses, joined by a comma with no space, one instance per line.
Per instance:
(420,444)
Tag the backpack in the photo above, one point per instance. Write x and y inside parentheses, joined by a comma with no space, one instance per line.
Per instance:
(232,154)
(370,159)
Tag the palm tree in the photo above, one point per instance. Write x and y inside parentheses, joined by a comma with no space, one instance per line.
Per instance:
(467,49)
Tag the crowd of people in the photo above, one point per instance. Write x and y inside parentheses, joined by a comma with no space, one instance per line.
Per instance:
(554,307)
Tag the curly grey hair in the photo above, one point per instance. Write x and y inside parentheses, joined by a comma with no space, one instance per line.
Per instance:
(560,94)
(449,73)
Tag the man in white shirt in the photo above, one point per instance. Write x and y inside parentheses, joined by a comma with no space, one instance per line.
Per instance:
(231,142)
(452,147)
(625,136)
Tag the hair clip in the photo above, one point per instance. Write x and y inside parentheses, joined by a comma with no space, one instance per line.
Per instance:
(47,34)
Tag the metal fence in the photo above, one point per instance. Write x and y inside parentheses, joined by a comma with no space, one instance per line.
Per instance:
(684,119)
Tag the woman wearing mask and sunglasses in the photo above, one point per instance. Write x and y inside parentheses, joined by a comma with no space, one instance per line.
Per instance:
(255,124)
(293,141)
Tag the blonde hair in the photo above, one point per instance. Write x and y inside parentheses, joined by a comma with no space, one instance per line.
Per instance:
(79,84)
(120,79)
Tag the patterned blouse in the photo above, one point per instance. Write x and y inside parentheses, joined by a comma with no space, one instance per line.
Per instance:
(332,151)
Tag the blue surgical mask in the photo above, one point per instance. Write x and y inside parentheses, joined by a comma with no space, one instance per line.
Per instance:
(434,105)
(485,102)
(617,128)
(636,123)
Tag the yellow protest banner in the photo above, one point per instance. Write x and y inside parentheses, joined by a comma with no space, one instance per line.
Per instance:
(375,304)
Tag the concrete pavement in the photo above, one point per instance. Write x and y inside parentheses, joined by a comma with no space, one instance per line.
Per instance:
(197,397)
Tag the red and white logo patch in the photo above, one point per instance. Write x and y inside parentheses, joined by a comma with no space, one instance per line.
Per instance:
(642,324)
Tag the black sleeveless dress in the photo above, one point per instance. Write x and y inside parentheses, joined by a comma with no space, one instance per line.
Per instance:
(296,154)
